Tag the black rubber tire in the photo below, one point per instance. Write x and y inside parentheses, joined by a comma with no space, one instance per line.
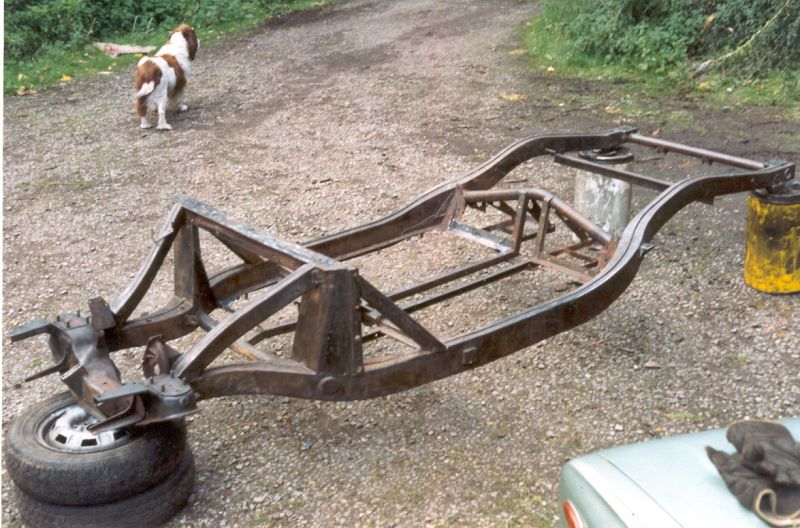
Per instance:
(81,479)
(152,507)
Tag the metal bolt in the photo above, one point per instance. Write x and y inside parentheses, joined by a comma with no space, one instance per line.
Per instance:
(329,386)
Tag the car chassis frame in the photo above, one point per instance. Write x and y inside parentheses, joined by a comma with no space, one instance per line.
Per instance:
(339,311)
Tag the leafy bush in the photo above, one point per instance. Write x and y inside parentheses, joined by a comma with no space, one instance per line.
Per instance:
(28,26)
(34,26)
(658,35)
(777,47)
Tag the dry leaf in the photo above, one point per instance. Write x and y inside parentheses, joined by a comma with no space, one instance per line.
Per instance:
(512,96)
(518,51)
(705,85)
(612,110)
(66,78)
(709,19)
(551,69)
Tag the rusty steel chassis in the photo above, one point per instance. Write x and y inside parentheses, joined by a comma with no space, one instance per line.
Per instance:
(335,302)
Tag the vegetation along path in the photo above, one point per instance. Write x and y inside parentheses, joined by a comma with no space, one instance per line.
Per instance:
(321,120)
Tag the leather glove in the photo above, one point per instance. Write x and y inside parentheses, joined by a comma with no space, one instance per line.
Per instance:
(765,474)
(768,449)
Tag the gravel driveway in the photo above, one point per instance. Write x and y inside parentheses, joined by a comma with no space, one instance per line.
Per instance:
(327,119)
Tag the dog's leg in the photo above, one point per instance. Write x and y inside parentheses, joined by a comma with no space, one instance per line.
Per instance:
(141,111)
(162,117)
(182,107)
(176,103)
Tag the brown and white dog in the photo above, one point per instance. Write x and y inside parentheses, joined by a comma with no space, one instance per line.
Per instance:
(160,80)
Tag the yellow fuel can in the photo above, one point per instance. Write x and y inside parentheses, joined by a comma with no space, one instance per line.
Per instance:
(772,250)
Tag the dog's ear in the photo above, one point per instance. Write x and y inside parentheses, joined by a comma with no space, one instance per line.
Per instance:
(191,40)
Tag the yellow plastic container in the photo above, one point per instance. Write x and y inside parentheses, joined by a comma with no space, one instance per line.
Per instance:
(772,251)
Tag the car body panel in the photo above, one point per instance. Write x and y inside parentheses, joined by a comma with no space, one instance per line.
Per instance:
(669,482)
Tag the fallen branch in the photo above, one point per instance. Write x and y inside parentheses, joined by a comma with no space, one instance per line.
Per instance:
(119,49)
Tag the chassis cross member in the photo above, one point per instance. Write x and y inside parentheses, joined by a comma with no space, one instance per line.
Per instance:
(338,311)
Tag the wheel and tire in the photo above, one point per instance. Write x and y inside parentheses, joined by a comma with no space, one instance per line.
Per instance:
(152,507)
(68,476)
(52,457)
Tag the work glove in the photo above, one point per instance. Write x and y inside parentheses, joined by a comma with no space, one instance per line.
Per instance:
(765,472)
(768,449)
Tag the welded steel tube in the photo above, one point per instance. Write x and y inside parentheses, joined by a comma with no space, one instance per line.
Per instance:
(695,152)
(556,203)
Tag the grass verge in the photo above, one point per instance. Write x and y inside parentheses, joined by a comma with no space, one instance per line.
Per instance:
(62,65)
(550,49)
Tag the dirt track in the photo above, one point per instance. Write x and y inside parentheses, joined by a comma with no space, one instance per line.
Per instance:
(324,120)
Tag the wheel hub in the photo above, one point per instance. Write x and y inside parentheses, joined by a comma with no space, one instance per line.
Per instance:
(67,430)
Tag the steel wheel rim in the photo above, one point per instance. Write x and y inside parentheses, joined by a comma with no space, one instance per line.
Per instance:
(66,430)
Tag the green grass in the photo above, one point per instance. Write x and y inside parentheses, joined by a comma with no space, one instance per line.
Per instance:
(62,65)
(550,50)
(738,357)
(683,416)
(776,90)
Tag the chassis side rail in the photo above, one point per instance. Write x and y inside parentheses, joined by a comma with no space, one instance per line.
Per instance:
(436,207)
(513,333)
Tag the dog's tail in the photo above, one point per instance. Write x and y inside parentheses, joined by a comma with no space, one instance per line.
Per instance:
(148,75)
(146,88)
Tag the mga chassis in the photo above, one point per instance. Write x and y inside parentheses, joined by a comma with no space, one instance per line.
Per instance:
(338,312)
